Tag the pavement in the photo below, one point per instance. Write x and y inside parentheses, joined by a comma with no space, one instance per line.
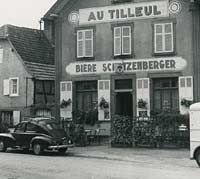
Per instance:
(180,157)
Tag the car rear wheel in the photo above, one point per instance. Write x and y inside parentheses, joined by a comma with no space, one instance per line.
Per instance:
(62,151)
(37,149)
(3,146)
(197,157)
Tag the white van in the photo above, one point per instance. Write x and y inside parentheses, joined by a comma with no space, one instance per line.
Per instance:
(195,132)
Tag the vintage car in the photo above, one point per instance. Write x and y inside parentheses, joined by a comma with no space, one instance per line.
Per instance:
(37,134)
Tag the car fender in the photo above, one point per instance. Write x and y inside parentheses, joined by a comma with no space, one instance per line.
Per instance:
(8,138)
(45,140)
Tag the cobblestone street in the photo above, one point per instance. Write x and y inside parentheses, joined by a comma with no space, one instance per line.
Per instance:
(100,163)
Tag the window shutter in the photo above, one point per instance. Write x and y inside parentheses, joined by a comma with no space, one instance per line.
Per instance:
(6,87)
(89,43)
(1,55)
(117,41)
(104,92)
(66,94)
(126,40)
(80,45)
(185,91)
(143,92)
(16,117)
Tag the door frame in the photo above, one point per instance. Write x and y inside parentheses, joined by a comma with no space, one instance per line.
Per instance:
(114,92)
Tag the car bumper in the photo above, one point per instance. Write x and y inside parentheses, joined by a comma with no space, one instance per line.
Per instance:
(61,146)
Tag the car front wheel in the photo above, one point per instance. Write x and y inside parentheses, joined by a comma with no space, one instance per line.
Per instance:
(37,149)
(3,146)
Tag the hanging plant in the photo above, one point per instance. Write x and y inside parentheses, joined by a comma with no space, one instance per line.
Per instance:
(142,104)
(65,103)
(186,102)
(103,104)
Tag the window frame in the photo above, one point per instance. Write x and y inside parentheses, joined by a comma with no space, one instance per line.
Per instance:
(11,86)
(131,43)
(172,22)
(162,89)
(84,30)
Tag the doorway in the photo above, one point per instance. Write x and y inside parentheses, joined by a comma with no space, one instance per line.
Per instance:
(124,103)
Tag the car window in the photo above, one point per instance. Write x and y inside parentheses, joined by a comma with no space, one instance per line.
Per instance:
(21,127)
(50,125)
(31,127)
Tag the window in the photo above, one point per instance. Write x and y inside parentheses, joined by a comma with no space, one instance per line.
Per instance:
(21,127)
(122,40)
(163,38)
(86,93)
(31,127)
(11,86)
(85,43)
(14,86)
(165,94)
(123,84)
(7,118)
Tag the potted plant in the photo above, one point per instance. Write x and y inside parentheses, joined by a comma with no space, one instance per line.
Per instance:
(186,102)
(103,104)
(142,103)
(65,103)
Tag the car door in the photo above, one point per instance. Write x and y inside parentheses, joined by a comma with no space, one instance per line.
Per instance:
(19,134)
(31,131)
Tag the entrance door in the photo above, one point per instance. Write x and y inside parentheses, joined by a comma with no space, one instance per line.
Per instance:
(124,103)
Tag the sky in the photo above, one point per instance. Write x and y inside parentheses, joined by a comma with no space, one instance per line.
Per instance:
(24,13)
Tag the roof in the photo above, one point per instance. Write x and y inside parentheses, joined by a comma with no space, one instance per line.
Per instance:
(56,8)
(41,71)
(34,49)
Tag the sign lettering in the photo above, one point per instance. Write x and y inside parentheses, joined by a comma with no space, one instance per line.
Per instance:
(130,11)
(127,66)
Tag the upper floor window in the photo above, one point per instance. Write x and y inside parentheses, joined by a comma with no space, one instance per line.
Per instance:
(14,86)
(163,38)
(11,86)
(122,40)
(85,43)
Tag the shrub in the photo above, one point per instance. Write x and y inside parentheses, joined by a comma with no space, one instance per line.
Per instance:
(121,131)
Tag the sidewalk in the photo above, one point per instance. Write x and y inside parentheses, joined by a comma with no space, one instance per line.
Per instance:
(179,157)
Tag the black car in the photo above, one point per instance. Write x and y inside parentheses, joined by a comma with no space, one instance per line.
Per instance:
(37,134)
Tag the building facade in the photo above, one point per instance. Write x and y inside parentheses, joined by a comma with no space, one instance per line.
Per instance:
(135,57)
(27,74)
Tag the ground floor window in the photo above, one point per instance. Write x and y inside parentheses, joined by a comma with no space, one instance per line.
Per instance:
(86,95)
(165,94)
(7,118)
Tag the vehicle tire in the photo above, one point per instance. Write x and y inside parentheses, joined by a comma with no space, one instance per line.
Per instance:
(3,146)
(62,151)
(197,157)
(37,148)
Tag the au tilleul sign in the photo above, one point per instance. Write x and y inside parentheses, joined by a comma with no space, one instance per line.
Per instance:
(128,11)
(127,66)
